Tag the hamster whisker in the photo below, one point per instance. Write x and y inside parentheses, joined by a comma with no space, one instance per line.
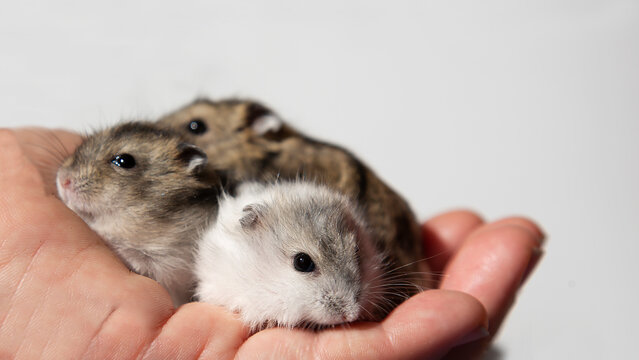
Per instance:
(381,295)
(383,304)
(312,326)
(45,166)
(413,275)
(399,287)
(396,268)
(378,308)
(395,286)
(56,156)
(346,325)
(414,278)
(368,312)
(53,149)
(46,135)
(438,254)
(63,146)
(396,290)
(396,282)
(87,133)
(57,143)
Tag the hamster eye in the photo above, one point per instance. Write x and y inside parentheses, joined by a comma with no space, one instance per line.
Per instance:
(124,160)
(303,263)
(197,126)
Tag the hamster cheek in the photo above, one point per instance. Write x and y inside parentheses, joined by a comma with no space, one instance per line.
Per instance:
(296,299)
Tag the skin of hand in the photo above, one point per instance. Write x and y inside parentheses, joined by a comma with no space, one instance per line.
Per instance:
(64,295)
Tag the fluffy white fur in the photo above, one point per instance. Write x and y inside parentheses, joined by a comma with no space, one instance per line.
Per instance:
(252,273)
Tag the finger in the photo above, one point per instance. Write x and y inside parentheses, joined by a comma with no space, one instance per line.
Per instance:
(198,330)
(491,265)
(423,327)
(16,167)
(518,221)
(47,149)
(444,234)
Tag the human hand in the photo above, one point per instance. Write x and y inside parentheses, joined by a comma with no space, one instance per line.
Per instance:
(489,261)
(63,294)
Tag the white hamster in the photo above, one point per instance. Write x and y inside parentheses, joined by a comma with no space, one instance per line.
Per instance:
(291,254)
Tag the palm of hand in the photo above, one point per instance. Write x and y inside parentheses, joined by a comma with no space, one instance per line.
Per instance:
(64,295)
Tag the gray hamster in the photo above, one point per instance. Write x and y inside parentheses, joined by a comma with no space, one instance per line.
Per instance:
(250,142)
(148,194)
(291,254)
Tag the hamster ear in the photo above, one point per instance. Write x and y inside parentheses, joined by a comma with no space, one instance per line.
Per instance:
(261,119)
(193,157)
(251,215)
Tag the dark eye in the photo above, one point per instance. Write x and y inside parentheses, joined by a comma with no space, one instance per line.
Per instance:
(124,160)
(303,263)
(197,126)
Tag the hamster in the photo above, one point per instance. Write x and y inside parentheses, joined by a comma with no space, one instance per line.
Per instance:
(148,194)
(250,142)
(291,254)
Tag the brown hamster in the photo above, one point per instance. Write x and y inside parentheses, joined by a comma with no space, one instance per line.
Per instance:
(149,195)
(250,142)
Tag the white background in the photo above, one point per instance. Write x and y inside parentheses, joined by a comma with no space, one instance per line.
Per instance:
(505,107)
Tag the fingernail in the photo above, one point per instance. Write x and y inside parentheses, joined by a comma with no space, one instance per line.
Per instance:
(479,333)
(537,253)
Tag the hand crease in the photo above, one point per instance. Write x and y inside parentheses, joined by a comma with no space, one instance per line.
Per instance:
(22,279)
(142,353)
(98,331)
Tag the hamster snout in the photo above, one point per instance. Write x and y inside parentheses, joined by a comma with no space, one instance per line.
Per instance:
(288,254)
(74,190)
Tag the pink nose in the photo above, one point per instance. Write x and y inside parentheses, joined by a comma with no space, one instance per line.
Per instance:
(66,183)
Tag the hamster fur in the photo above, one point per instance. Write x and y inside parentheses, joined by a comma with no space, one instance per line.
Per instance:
(148,194)
(290,254)
(250,142)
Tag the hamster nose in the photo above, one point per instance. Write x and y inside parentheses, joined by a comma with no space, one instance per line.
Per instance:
(66,183)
